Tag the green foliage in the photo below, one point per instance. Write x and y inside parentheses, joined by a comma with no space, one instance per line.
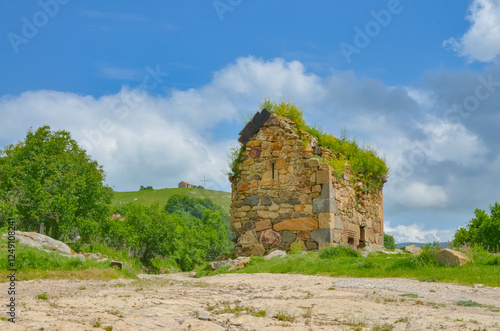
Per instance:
(364,162)
(483,230)
(468,303)
(234,158)
(48,178)
(144,188)
(186,233)
(338,251)
(389,242)
(296,247)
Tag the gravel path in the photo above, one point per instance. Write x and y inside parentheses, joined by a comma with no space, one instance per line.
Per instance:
(238,301)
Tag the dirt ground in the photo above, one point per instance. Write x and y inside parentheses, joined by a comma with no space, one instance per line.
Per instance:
(239,301)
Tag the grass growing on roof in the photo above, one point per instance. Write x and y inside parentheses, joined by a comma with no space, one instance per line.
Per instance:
(365,163)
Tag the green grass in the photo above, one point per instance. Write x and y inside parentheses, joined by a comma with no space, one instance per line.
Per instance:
(376,266)
(468,303)
(32,263)
(148,197)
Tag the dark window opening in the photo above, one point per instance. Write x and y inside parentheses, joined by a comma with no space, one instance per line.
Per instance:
(350,241)
(362,241)
(272,169)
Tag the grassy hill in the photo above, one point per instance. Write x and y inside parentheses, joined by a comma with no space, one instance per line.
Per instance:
(148,197)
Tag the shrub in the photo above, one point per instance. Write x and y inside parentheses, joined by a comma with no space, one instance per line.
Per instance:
(389,242)
(338,251)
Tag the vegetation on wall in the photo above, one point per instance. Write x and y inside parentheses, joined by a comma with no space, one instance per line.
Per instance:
(482,230)
(364,162)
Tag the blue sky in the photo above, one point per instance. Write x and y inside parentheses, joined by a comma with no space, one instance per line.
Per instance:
(156,92)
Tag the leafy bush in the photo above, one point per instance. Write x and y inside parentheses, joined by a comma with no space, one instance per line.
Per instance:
(48,178)
(483,230)
(338,251)
(389,242)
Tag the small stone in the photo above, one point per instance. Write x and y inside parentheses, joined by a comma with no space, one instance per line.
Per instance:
(324,205)
(276,253)
(293,201)
(304,235)
(311,245)
(117,264)
(413,250)
(204,317)
(243,187)
(238,265)
(312,162)
(219,264)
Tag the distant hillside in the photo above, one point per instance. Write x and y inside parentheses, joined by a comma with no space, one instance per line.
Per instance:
(441,244)
(148,197)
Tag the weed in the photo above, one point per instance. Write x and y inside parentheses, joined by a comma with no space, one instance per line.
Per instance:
(53,304)
(114,312)
(284,316)
(96,324)
(296,247)
(82,288)
(403,320)
(108,328)
(468,303)
(260,313)
(384,327)
(419,302)
(307,313)
(338,251)
(42,296)
(410,295)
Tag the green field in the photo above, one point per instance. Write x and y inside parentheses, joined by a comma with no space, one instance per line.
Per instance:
(148,197)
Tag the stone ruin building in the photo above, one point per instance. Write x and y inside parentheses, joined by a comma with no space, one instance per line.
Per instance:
(284,194)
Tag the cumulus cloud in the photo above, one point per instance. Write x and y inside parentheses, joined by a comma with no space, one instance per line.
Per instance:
(171,135)
(482,41)
(421,195)
(415,233)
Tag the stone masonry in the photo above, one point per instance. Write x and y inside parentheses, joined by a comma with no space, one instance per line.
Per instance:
(284,194)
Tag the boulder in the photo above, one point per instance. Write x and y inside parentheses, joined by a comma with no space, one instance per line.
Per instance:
(413,250)
(42,242)
(238,264)
(275,254)
(450,257)
(219,264)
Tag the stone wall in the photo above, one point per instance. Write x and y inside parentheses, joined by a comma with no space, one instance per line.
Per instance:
(284,194)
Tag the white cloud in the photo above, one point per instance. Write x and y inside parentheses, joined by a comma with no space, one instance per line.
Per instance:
(415,233)
(453,142)
(420,195)
(482,41)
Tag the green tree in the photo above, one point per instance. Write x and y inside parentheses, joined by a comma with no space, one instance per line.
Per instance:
(389,242)
(48,178)
(483,230)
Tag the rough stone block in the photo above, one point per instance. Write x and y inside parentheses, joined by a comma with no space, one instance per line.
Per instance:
(338,223)
(304,235)
(248,238)
(288,236)
(311,245)
(324,205)
(312,162)
(327,191)
(293,201)
(243,187)
(265,200)
(280,164)
(263,225)
(252,250)
(325,220)
(324,177)
(252,200)
(297,224)
(321,235)
(270,237)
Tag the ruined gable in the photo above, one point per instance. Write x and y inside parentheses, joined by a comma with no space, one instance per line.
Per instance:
(283,194)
